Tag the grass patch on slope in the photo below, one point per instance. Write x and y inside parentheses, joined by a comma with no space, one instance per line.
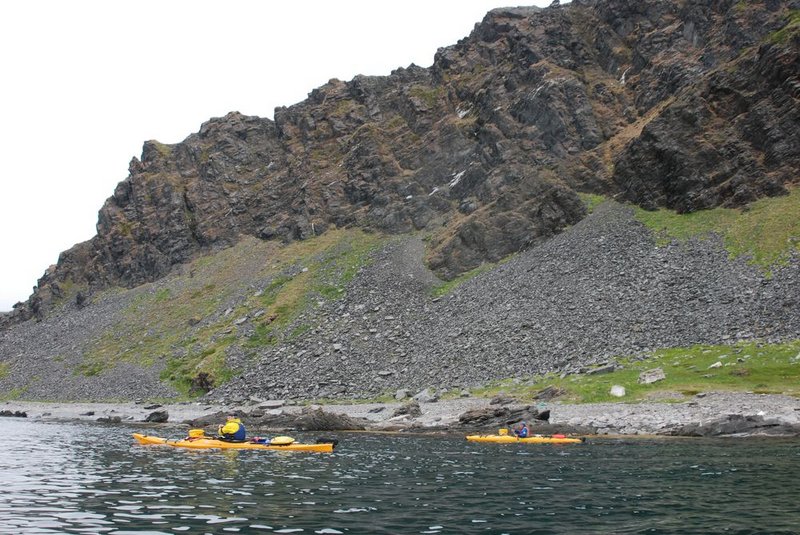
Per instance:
(445,287)
(783,35)
(768,231)
(245,296)
(591,200)
(744,367)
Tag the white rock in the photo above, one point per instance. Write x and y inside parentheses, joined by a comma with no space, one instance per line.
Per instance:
(617,391)
(426,396)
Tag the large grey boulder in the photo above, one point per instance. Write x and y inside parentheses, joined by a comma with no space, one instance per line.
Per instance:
(316,419)
(157,417)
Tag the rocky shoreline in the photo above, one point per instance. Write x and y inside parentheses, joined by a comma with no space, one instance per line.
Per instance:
(713,414)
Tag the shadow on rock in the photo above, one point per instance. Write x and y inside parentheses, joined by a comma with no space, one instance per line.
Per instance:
(316,419)
(738,425)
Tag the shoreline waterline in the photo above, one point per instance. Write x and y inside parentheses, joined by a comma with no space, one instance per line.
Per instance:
(768,414)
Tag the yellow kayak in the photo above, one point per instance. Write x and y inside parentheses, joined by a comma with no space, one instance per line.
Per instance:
(212,443)
(533,439)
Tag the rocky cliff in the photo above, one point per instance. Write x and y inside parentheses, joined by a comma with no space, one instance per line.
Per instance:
(687,104)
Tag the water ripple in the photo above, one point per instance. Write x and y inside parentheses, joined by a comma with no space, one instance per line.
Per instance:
(94,479)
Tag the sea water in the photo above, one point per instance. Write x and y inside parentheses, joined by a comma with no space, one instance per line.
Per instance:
(93,478)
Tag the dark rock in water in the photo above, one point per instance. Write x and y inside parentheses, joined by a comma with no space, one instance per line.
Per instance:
(543,416)
(14,414)
(319,420)
(88,413)
(215,419)
(412,409)
(152,407)
(157,417)
(737,424)
(110,419)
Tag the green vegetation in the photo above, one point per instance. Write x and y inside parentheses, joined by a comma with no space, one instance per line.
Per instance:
(263,336)
(3,370)
(69,290)
(246,296)
(767,231)
(163,149)
(14,393)
(90,368)
(591,200)
(343,107)
(744,367)
(162,295)
(781,37)
(326,273)
(428,95)
(182,372)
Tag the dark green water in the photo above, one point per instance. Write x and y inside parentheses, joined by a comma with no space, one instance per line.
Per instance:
(74,478)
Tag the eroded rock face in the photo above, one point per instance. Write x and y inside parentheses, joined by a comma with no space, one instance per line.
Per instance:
(681,104)
(726,142)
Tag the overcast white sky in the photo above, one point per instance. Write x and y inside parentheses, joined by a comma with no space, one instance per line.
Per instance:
(84,83)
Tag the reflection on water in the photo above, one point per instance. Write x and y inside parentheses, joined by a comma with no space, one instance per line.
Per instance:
(79,478)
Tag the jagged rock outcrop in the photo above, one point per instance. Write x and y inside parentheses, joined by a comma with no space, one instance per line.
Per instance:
(729,142)
(317,419)
(681,104)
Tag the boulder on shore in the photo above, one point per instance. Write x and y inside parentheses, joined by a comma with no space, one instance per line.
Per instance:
(316,419)
(499,416)
(14,414)
(737,424)
(411,408)
(159,417)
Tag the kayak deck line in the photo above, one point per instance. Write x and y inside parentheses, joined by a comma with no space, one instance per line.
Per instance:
(212,443)
(533,439)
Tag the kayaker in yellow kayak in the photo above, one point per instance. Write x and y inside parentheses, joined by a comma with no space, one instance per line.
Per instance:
(521,431)
(233,430)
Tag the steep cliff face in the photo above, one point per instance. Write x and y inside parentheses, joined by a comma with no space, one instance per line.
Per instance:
(688,104)
(729,141)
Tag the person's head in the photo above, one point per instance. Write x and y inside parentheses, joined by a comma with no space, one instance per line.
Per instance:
(231,416)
